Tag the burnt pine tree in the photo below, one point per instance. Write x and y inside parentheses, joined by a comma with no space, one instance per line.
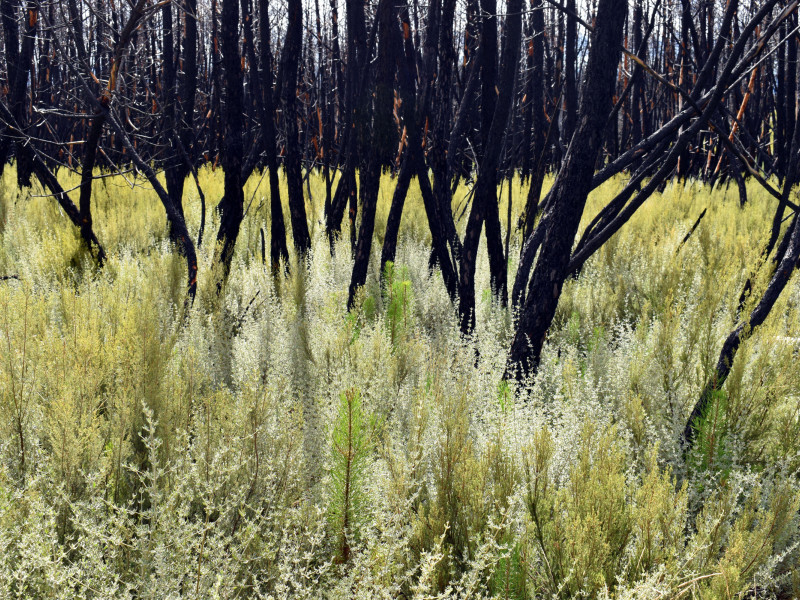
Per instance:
(385,68)
(484,205)
(278,249)
(570,190)
(231,207)
(290,60)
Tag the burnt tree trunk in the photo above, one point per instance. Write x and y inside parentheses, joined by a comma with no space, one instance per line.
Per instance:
(346,192)
(786,261)
(570,83)
(99,119)
(231,207)
(538,124)
(484,204)
(290,60)
(569,193)
(25,72)
(413,164)
(387,63)
(9,14)
(278,248)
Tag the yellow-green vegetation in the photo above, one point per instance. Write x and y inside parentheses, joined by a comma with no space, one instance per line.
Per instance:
(264,443)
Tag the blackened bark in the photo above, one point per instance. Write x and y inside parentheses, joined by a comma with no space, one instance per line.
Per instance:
(386,67)
(231,207)
(789,256)
(278,247)
(611,223)
(290,59)
(408,98)
(637,88)
(413,164)
(538,123)
(570,83)
(19,87)
(9,10)
(353,123)
(488,67)
(570,190)
(188,90)
(439,89)
(99,119)
(484,204)
(173,163)
(50,182)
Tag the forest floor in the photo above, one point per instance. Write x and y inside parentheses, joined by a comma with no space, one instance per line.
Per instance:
(264,442)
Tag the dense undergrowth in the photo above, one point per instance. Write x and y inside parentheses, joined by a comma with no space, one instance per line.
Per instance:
(265,443)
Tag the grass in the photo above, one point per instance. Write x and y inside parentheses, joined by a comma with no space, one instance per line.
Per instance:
(149,453)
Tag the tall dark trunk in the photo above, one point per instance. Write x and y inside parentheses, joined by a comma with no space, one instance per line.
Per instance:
(231,207)
(413,165)
(278,247)
(791,83)
(684,165)
(387,64)
(538,122)
(346,192)
(290,60)
(637,86)
(50,182)
(488,68)
(570,83)
(569,193)
(19,87)
(100,116)
(408,98)
(173,174)
(484,204)
(188,90)
(9,14)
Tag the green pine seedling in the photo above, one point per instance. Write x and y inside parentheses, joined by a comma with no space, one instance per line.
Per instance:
(351,445)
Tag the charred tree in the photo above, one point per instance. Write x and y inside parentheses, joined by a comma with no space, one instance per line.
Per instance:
(569,193)
(290,60)
(231,207)
(382,126)
(484,204)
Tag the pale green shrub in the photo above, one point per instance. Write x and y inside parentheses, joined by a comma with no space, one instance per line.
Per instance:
(172,452)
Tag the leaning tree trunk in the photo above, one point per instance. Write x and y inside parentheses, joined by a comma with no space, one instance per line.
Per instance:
(787,261)
(102,105)
(569,193)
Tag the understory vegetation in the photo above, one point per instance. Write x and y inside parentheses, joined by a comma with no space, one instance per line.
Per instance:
(264,442)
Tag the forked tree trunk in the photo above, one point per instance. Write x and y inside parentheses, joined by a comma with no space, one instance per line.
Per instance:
(569,193)
(484,204)
(387,63)
(413,164)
